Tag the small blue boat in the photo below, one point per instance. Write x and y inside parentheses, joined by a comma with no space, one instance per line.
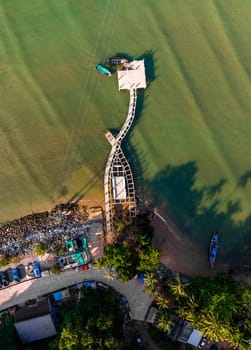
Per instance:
(213,248)
(103,70)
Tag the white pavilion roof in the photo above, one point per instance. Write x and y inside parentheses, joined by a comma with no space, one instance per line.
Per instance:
(132,76)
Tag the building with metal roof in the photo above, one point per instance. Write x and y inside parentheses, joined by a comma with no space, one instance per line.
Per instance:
(35,322)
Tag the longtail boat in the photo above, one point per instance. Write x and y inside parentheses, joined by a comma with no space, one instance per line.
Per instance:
(213,248)
(103,70)
(117,60)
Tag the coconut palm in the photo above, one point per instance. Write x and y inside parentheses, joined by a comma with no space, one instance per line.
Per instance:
(162,301)
(151,284)
(244,345)
(224,331)
(181,311)
(178,289)
(148,259)
(234,338)
(191,302)
(247,323)
(209,326)
(165,322)
(99,263)
(192,317)
(109,273)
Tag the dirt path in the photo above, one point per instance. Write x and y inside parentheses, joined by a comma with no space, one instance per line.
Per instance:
(179,253)
(141,329)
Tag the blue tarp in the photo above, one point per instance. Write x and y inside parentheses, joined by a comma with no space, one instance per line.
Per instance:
(141,278)
(87,284)
(58,296)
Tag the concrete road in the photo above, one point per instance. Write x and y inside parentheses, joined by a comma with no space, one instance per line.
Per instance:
(138,300)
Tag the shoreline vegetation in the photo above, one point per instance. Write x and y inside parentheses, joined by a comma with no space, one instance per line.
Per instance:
(133,253)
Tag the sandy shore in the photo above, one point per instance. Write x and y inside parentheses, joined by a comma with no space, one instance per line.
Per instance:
(179,253)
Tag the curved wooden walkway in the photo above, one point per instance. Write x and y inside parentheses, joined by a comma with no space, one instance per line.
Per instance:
(117,165)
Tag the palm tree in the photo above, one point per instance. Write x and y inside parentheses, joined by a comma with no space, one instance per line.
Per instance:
(151,284)
(109,274)
(208,325)
(192,317)
(247,323)
(178,288)
(99,263)
(236,338)
(162,301)
(165,322)
(181,311)
(224,331)
(191,302)
(68,339)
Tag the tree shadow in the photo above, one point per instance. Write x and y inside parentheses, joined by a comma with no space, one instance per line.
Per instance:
(216,188)
(150,65)
(243,180)
(197,211)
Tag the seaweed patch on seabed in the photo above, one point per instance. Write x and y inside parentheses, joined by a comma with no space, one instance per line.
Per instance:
(64,221)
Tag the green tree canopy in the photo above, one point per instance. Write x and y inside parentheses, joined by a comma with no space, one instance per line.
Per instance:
(122,259)
(8,335)
(165,321)
(148,259)
(56,268)
(40,248)
(132,253)
(94,323)
(218,306)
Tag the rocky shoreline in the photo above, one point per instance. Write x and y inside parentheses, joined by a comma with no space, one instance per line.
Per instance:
(19,236)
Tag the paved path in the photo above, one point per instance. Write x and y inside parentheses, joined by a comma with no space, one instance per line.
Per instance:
(138,300)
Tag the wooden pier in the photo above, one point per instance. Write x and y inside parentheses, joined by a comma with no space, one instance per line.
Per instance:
(118,180)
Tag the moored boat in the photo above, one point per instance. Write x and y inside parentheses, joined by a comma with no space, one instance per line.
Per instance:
(103,70)
(117,60)
(213,248)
